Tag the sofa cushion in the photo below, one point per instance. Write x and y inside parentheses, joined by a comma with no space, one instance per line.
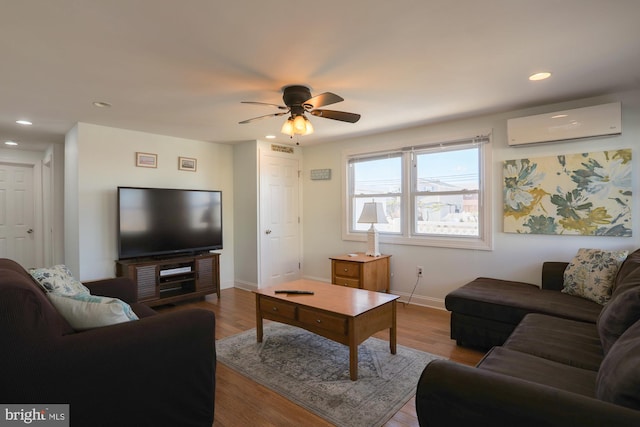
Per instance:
(59,280)
(618,380)
(617,315)
(592,272)
(566,341)
(539,370)
(88,311)
(508,302)
(630,264)
(631,280)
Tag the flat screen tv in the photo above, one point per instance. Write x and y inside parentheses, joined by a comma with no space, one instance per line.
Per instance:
(154,222)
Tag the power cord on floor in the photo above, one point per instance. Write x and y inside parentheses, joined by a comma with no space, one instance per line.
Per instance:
(414,289)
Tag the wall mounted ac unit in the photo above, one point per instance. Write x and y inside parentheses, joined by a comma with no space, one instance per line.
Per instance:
(584,122)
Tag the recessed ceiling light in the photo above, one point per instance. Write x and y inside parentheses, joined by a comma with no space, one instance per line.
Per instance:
(24,122)
(10,143)
(540,76)
(101,104)
(270,137)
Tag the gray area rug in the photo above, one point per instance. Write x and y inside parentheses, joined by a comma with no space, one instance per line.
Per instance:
(314,373)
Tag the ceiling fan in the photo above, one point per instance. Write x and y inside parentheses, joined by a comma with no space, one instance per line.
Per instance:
(298,100)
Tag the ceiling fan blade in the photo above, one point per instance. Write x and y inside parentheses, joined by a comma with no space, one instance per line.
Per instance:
(282,107)
(321,100)
(262,117)
(337,115)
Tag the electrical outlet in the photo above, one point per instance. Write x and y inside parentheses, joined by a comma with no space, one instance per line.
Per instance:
(419,271)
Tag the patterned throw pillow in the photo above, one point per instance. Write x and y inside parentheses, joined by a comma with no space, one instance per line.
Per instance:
(83,314)
(591,274)
(75,303)
(95,299)
(58,280)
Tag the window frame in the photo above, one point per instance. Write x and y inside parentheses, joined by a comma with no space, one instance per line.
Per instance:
(408,235)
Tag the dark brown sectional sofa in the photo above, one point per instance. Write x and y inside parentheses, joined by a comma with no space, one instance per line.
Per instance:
(156,371)
(554,359)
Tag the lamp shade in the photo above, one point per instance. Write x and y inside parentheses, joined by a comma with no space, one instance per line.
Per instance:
(299,125)
(308,130)
(287,127)
(373,213)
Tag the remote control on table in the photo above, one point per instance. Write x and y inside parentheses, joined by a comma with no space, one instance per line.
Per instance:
(292,291)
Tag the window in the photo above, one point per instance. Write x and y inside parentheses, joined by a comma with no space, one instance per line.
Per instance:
(377,179)
(445,197)
(433,194)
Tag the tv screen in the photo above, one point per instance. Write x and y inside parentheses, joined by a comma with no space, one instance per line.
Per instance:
(164,221)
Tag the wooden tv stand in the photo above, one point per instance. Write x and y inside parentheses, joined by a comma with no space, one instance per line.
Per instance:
(164,281)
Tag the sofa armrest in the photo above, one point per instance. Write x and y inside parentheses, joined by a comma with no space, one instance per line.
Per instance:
(158,370)
(120,287)
(553,275)
(452,394)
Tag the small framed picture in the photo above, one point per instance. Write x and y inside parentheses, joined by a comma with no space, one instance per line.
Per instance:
(146,160)
(187,164)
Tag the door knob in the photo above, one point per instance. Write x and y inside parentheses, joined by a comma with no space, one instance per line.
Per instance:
(268,232)
(29,231)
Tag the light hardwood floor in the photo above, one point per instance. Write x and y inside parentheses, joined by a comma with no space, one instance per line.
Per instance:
(242,402)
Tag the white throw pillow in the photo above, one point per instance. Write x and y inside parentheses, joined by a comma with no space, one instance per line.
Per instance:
(591,274)
(58,280)
(83,314)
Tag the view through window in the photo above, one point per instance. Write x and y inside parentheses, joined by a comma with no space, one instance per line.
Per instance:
(427,192)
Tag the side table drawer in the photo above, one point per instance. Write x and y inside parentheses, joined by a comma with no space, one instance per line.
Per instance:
(344,281)
(347,269)
(277,308)
(321,320)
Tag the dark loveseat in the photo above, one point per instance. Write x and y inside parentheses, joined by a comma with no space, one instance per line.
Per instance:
(564,361)
(156,371)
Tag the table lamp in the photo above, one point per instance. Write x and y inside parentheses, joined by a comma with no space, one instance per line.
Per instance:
(372,213)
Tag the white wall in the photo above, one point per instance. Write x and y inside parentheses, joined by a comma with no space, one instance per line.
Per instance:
(245,172)
(99,159)
(71,207)
(514,257)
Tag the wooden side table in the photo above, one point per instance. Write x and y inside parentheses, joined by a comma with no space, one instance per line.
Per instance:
(361,271)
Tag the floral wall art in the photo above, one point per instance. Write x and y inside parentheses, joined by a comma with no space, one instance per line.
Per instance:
(585,194)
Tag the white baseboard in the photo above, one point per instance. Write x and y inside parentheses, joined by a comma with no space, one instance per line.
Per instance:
(226,285)
(247,286)
(420,300)
(317,279)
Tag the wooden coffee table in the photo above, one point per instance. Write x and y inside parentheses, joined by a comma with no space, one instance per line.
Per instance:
(342,314)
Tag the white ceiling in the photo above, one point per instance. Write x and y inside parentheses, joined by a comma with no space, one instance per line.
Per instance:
(182,68)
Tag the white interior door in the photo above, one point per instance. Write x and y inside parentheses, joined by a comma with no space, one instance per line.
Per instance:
(17,234)
(279,220)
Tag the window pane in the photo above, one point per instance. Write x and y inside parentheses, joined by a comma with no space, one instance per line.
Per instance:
(379,176)
(391,207)
(448,215)
(448,170)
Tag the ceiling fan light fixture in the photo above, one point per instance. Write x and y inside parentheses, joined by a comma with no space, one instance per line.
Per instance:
(298,101)
(308,128)
(287,127)
(299,125)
